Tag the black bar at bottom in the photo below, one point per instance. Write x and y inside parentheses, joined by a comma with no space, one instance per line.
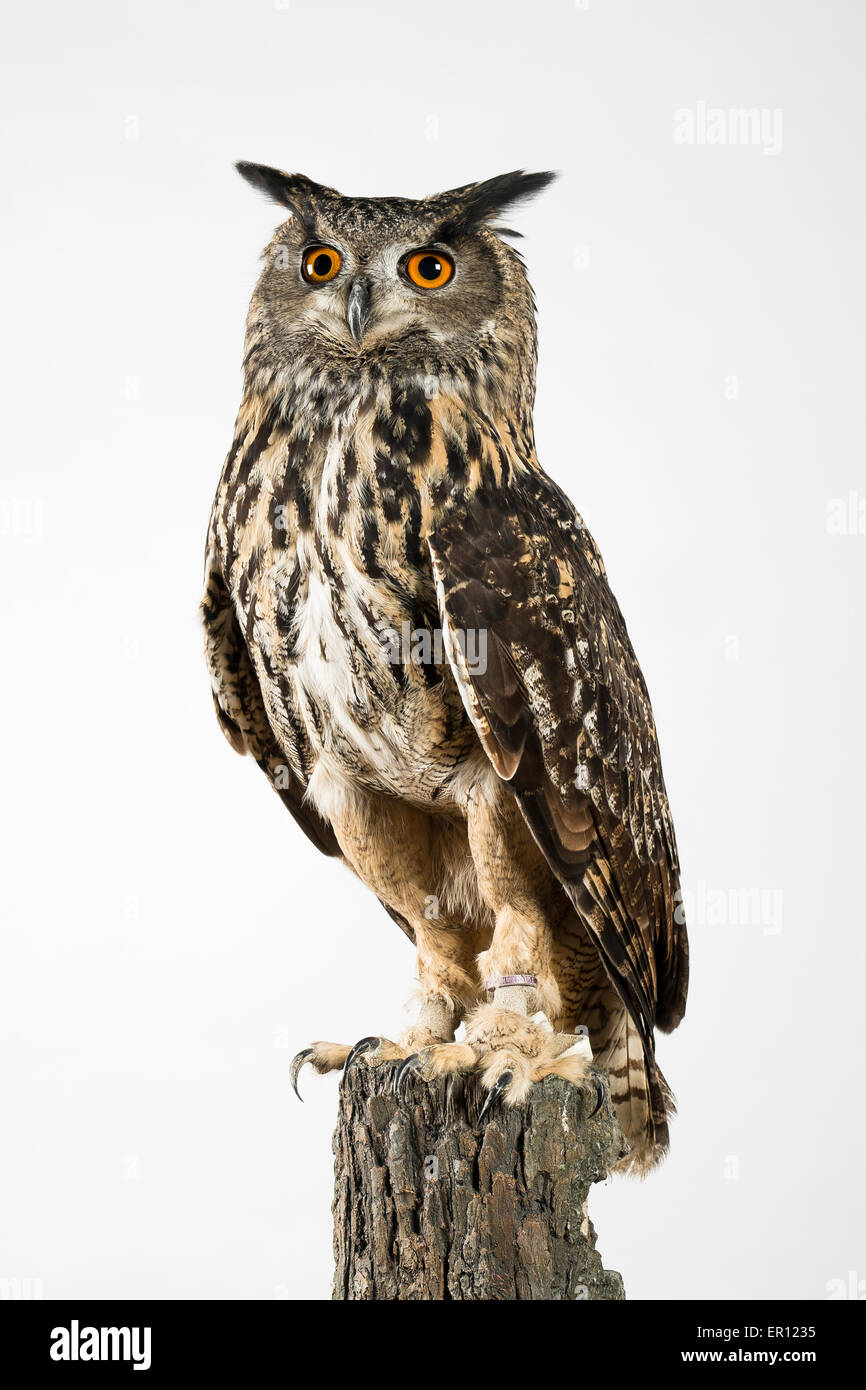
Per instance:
(222,1339)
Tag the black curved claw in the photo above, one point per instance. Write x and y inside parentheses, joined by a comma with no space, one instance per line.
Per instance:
(365,1045)
(402,1071)
(295,1069)
(495,1092)
(601,1093)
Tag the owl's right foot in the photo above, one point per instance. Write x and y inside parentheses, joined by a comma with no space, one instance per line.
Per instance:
(434,1025)
(327,1056)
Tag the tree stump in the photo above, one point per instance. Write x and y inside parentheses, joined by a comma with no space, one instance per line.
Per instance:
(430,1204)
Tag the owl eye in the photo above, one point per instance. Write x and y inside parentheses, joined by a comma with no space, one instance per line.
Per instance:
(429,269)
(320,263)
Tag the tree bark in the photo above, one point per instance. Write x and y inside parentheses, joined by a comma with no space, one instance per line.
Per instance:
(428,1204)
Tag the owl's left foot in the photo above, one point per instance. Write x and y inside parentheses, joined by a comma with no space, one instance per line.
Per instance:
(509,1050)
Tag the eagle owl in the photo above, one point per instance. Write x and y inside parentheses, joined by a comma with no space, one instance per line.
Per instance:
(410,628)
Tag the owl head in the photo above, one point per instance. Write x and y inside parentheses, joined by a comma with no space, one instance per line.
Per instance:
(425,284)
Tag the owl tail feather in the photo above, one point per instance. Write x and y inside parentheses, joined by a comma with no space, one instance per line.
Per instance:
(644,1101)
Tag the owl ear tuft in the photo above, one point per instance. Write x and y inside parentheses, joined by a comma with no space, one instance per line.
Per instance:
(293,191)
(474,203)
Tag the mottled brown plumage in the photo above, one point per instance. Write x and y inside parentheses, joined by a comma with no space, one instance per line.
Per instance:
(507,806)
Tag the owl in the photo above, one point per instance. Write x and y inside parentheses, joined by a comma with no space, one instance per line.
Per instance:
(410,629)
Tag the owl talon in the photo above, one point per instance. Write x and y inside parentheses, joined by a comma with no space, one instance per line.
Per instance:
(408,1064)
(601,1093)
(362,1046)
(295,1069)
(502,1082)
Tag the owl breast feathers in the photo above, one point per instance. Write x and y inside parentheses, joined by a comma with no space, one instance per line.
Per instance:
(411,630)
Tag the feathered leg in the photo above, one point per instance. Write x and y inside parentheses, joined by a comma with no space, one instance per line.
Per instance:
(392,848)
(511,1039)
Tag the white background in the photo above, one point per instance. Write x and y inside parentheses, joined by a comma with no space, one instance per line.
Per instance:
(169,938)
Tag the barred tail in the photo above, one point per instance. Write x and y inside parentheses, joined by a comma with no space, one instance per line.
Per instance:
(642,1097)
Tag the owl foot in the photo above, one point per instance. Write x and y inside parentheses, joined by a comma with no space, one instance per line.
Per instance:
(510,1051)
(326,1056)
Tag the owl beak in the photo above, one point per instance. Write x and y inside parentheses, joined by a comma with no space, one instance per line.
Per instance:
(358,309)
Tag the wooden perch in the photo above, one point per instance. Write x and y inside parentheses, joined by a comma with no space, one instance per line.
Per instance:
(429,1204)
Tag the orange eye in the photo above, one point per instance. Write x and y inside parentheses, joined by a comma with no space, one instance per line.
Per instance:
(320,263)
(429,269)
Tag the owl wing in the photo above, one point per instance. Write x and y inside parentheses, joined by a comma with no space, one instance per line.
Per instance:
(560,705)
(240,708)
(242,716)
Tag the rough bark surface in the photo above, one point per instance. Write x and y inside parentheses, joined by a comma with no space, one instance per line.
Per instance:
(429,1204)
